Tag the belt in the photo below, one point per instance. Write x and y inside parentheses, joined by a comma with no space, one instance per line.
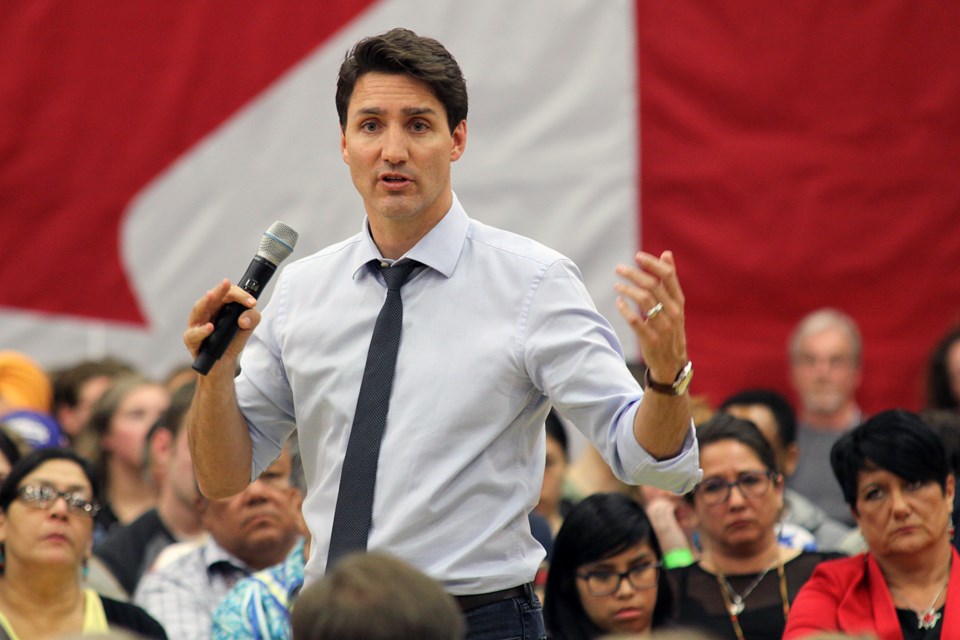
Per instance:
(483,599)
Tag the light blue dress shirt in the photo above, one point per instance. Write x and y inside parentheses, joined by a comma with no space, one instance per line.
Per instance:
(496,328)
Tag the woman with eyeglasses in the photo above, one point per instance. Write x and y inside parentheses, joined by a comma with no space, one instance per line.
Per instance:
(897,480)
(47,508)
(604,576)
(744,582)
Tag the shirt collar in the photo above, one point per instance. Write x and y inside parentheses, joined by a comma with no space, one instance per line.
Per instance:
(440,249)
(214,554)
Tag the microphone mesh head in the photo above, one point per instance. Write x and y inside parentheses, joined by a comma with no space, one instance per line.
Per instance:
(277,243)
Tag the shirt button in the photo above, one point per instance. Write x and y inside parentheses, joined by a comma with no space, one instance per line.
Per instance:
(384,265)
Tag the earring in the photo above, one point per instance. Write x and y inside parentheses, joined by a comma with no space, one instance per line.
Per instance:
(85,569)
(951,530)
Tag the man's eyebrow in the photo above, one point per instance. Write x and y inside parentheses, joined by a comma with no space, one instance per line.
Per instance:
(408,111)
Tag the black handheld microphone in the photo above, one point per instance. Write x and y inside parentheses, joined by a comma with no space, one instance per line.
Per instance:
(276,244)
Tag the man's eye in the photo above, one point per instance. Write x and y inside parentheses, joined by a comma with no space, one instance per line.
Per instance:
(419,126)
(369,126)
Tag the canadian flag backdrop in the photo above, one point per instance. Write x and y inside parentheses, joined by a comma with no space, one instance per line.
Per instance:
(792,155)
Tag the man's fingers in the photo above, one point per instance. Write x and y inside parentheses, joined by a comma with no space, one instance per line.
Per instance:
(204,312)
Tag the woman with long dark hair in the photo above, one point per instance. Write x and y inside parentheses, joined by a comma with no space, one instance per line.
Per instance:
(605,573)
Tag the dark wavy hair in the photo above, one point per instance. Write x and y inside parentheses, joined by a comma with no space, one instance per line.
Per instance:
(401,51)
(778,405)
(598,527)
(897,441)
(26,465)
(724,426)
(939,393)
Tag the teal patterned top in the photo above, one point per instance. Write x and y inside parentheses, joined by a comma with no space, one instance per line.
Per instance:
(259,606)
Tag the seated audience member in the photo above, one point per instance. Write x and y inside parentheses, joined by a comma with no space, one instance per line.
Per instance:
(259,606)
(120,419)
(78,387)
(604,577)
(23,384)
(374,596)
(47,504)
(896,478)
(553,506)
(774,416)
(943,373)
(825,369)
(744,582)
(250,531)
(673,521)
(25,399)
(129,550)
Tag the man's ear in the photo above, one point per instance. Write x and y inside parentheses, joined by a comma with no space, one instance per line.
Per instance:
(459,145)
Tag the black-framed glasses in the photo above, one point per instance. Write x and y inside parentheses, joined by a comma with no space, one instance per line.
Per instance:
(605,583)
(752,484)
(43,496)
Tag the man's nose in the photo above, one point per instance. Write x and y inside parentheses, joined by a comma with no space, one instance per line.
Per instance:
(395,149)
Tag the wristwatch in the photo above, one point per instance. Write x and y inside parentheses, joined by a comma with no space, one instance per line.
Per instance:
(679,385)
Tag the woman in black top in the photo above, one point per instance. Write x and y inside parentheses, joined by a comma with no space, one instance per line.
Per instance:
(605,573)
(744,582)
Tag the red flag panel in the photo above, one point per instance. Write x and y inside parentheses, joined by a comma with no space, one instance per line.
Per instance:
(801,155)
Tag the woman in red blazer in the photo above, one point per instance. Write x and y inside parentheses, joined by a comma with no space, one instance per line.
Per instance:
(897,480)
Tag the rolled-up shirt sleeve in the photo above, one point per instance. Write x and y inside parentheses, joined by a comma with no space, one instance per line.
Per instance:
(575,358)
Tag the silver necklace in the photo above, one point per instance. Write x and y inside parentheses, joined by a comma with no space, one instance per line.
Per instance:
(736,600)
(929,617)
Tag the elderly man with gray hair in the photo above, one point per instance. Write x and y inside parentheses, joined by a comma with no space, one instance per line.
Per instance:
(825,369)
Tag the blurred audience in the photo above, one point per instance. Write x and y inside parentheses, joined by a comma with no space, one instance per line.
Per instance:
(179,376)
(78,387)
(605,573)
(674,522)
(743,584)
(11,450)
(374,596)
(553,506)
(248,532)
(47,504)
(23,384)
(129,550)
(825,368)
(120,419)
(774,416)
(25,401)
(896,478)
(943,373)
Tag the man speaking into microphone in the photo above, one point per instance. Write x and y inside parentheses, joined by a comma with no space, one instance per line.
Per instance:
(419,358)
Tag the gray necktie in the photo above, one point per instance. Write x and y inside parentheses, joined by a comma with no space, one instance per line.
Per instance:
(354,511)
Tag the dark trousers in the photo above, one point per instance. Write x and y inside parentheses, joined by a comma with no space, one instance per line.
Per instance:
(512,619)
